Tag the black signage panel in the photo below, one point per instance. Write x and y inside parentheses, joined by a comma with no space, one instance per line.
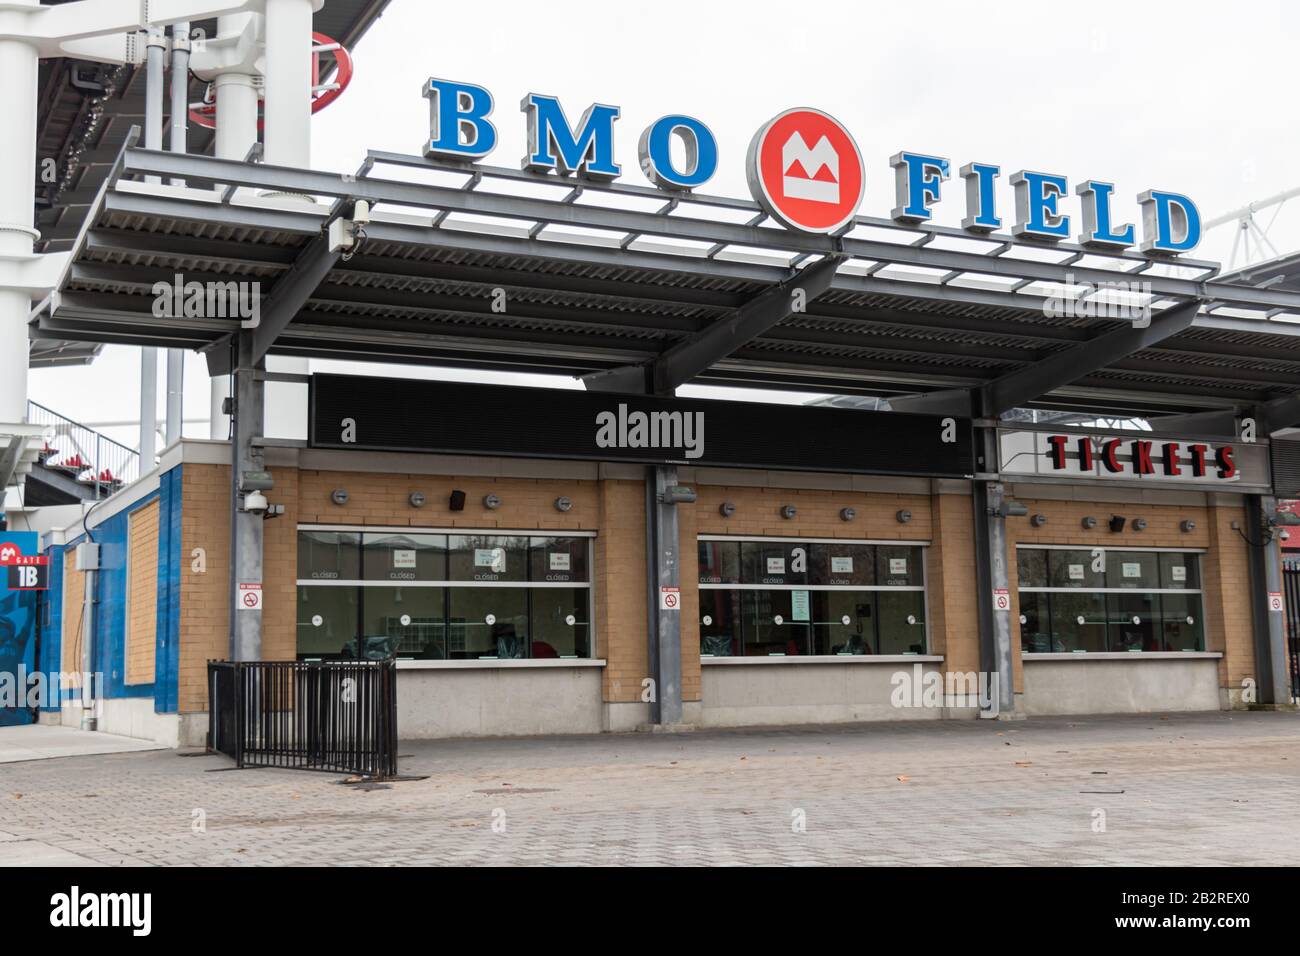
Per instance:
(28,577)
(406,415)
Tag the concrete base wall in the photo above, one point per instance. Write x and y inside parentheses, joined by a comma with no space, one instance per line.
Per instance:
(750,695)
(135,717)
(498,702)
(1120,686)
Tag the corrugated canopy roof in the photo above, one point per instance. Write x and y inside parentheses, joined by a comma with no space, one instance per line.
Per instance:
(600,277)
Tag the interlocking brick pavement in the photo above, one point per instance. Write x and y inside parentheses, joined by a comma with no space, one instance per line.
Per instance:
(1183,789)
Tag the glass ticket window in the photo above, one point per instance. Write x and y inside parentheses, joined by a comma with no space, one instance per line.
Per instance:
(488,623)
(1109,599)
(790,598)
(405,557)
(327,622)
(329,556)
(487,558)
(426,595)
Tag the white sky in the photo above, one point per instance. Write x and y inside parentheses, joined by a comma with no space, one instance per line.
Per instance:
(1190,96)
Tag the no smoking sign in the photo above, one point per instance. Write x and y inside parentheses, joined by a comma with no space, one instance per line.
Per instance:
(670,599)
(250,597)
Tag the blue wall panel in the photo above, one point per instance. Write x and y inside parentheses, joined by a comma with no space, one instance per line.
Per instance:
(52,626)
(167,658)
(110,598)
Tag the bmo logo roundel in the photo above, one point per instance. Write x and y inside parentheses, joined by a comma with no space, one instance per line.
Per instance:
(805,171)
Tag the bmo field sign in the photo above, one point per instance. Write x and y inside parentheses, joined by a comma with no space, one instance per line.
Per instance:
(806,172)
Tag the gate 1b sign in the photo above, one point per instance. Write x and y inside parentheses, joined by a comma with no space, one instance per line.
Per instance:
(24,572)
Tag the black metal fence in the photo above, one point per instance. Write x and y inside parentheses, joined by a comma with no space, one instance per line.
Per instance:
(1291,586)
(326,715)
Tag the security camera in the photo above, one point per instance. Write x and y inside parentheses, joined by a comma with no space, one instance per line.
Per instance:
(255,503)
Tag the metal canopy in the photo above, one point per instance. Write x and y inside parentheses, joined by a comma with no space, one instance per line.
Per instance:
(86,110)
(604,276)
(84,116)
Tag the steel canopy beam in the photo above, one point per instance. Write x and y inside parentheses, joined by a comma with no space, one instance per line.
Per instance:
(206,170)
(1060,368)
(288,297)
(696,353)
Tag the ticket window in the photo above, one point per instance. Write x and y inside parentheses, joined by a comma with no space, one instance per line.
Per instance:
(1109,599)
(790,598)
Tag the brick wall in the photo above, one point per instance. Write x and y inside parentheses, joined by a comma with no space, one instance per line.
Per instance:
(1231,625)
(954,611)
(142,594)
(621,597)
(205,598)
(615,509)
(1225,567)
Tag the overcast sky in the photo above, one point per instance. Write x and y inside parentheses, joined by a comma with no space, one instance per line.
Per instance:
(1189,96)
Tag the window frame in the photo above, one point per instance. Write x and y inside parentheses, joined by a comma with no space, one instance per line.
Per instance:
(1107,591)
(924,588)
(447,585)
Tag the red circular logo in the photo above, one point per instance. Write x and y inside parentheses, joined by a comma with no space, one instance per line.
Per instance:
(805,170)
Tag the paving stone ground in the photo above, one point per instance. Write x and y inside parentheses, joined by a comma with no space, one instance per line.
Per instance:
(1211,789)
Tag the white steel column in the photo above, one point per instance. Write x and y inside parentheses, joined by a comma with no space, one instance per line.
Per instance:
(180,117)
(18,72)
(287,138)
(289,81)
(237,106)
(155,64)
(148,408)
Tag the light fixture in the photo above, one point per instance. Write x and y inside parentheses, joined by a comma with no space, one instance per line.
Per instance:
(1117,523)
(1088,522)
(789,511)
(491,502)
(417,500)
(339,496)
(1014,509)
(904,516)
(727,509)
(847,514)
(563,504)
(1139,524)
(457,501)
(1038,520)
(1187,526)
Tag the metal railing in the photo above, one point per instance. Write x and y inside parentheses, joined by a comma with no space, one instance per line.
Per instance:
(1291,586)
(86,456)
(334,716)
